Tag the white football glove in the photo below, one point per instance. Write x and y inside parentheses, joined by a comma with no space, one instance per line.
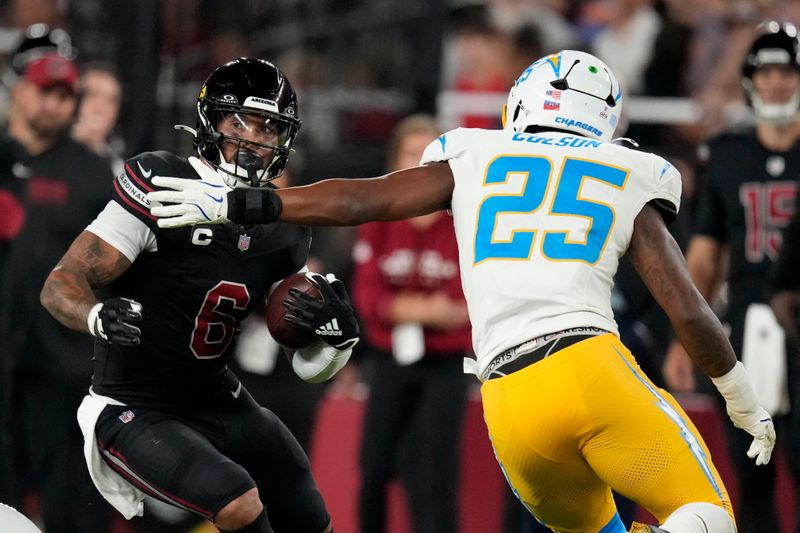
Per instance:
(195,201)
(743,408)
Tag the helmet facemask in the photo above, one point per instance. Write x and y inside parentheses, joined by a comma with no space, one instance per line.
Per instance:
(252,163)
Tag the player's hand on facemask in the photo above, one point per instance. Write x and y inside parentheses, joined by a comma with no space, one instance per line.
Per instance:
(111,321)
(331,318)
(194,201)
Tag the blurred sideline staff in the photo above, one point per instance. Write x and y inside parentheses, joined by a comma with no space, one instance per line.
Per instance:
(60,184)
(407,291)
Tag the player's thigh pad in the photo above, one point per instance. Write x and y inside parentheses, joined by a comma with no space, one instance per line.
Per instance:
(585,419)
(169,460)
(258,440)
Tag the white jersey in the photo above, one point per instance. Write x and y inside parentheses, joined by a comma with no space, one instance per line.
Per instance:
(541,222)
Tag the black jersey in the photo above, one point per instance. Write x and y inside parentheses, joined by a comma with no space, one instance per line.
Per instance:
(61,190)
(195,290)
(748,199)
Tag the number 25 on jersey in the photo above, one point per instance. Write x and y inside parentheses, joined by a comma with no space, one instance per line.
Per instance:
(566,202)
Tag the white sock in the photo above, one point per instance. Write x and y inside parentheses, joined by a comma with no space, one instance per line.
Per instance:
(699,518)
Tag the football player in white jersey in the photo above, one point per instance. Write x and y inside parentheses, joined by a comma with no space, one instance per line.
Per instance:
(543,210)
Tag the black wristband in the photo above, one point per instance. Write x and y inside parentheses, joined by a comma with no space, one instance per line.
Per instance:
(253,206)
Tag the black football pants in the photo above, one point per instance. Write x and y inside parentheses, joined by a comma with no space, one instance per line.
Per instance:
(420,409)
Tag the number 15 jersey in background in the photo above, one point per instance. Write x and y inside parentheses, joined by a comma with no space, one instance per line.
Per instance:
(541,222)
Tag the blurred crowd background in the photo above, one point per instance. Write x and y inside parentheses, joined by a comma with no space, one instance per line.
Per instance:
(360,67)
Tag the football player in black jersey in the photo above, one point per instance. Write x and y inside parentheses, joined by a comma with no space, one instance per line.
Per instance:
(164,411)
(751,179)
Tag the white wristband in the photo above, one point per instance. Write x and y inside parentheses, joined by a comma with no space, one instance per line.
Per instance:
(95,325)
(737,389)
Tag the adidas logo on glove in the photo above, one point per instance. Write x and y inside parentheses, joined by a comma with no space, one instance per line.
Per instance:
(331,328)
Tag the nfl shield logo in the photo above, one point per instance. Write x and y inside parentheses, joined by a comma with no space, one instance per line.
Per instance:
(244,242)
(126,417)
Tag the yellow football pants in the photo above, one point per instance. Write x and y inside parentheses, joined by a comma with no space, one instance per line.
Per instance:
(570,428)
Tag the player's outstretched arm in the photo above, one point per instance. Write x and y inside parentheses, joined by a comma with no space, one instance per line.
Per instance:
(334,202)
(659,261)
(68,294)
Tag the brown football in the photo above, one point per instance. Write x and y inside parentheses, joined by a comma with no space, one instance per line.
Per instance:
(283,332)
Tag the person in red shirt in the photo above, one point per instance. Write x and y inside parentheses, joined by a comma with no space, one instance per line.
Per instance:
(407,291)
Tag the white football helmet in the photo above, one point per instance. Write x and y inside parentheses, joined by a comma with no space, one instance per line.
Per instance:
(571,91)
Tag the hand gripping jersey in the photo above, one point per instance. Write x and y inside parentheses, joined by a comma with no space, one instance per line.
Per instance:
(541,222)
(195,287)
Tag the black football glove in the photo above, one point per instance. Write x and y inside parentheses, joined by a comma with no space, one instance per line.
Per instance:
(331,318)
(111,321)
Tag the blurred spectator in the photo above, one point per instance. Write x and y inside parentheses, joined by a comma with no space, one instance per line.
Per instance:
(750,185)
(407,290)
(101,97)
(39,40)
(25,13)
(785,303)
(626,43)
(480,56)
(60,184)
(526,46)
(36,41)
(547,17)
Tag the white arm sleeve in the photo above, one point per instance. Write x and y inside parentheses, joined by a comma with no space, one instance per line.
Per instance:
(123,231)
(319,362)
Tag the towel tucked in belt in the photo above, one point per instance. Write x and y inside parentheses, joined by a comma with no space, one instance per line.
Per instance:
(125,498)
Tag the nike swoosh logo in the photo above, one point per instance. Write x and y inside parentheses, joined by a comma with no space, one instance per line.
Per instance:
(145,173)
(238,391)
(217,199)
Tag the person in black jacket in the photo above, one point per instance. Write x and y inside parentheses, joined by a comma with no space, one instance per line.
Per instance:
(58,185)
(785,303)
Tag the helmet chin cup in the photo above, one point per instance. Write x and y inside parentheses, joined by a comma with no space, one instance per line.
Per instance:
(251,164)
(775,114)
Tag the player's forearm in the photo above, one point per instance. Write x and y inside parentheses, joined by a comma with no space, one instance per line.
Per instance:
(695,325)
(68,297)
(701,333)
(68,292)
(402,194)
(659,262)
(332,202)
